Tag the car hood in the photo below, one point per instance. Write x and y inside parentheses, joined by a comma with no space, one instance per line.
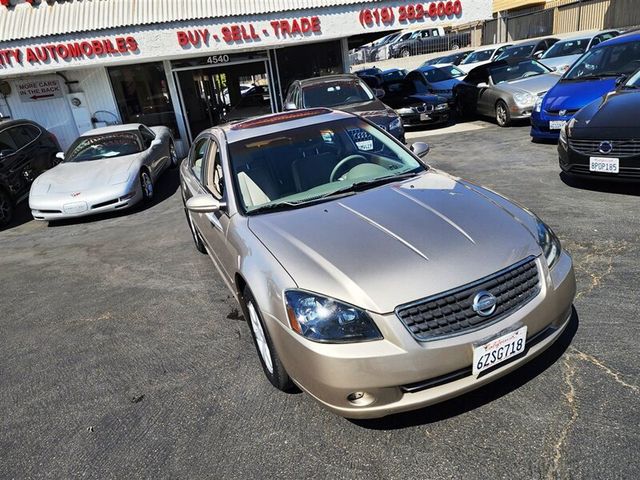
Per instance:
(573,95)
(559,61)
(397,243)
(374,110)
(84,176)
(613,116)
(533,85)
(467,67)
(445,85)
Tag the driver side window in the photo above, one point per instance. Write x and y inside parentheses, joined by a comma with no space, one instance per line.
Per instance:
(147,136)
(215,177)
(196,162)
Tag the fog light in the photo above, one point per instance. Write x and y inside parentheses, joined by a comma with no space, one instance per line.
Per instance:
(360,399)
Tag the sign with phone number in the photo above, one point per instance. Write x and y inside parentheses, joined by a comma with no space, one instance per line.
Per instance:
(413,12)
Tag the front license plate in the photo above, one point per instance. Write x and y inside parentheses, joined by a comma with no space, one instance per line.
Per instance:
(76,207)
(424,116)
(498,350)
(604,165)
(557,124)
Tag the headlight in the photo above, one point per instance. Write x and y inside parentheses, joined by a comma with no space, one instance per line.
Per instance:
(324,319)
(523,99)
(404,111)
(538,106)
(563,135)
(395,124)
(549,243)
(442,106)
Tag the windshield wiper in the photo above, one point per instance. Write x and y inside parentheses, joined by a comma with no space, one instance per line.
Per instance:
(366,184)
(592,77)
(287,205)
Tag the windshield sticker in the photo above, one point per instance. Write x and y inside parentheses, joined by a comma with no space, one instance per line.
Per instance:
(327,136)
(365,145)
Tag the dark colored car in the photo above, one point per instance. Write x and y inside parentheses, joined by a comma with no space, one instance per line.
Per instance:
(26,150)
(429,40)
(530,49)
(348,93)
(603,139)
(436,80)
(413,101)
(453,59)
(368,72)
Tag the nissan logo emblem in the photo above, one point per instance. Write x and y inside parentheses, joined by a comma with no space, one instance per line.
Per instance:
(484,303)
(605,147)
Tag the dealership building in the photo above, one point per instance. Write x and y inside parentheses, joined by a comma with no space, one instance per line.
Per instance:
(73,65)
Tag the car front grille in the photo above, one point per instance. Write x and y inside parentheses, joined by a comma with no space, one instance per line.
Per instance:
(451,313)
(565,113)
(619,148)
(425,108)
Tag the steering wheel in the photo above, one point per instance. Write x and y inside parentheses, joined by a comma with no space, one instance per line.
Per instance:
(353,99)
(343,162)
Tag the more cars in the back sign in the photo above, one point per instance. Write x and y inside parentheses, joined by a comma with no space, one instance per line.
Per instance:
(603,139)
(506,90)
(104,170)
(528,49)
(596,73)
(348,93)
(26,150)
(565,52)
(373,282)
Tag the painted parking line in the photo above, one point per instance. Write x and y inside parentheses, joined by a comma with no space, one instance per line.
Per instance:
(457,128)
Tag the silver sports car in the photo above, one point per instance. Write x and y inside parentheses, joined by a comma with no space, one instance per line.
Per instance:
(105,169)
(372,281)
(506,90)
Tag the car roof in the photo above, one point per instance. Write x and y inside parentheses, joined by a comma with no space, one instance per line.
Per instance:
(278,122)
(620,39)
(127,127)
(328,79)
(5,122)
(587,34)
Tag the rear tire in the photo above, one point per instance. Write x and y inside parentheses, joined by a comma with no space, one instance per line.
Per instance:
(503,117)
(404,53)
(455,46)
(269,359)
(6,208)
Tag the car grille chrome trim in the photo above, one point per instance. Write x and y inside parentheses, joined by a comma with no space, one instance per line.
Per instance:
(424,108)
(567,113)
(451,313)
(621,148)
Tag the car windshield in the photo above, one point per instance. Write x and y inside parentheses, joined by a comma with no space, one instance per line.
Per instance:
(394,75)
(432,61)
(387,39)
(516,71)
(480,56)
(568,47)
(109,145)
(633,81)
(608,61)
(291,168)
(333,94)
(515,52)
(442,74)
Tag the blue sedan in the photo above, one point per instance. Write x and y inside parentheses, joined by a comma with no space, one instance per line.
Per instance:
(437,80)
(596,73)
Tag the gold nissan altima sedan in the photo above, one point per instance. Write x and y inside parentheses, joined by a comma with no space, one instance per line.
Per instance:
(370,280)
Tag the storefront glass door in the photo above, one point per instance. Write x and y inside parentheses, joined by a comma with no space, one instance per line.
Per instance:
(213,95)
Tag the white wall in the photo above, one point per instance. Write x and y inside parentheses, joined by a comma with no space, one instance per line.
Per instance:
(94,82)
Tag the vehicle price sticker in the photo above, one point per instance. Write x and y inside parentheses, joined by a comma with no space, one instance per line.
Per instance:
(365,145)
(499,350)
(424,116)
(557,124)
(604,164)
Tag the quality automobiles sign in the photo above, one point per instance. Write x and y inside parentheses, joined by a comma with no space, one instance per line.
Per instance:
(33,91)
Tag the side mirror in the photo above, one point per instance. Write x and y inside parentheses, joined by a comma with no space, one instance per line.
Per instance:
(204,204)
(620,80)
(290,106)
(379,92)
(420,149)
(60,155)
(483,85)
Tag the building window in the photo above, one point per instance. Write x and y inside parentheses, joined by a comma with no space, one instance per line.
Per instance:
(142,95)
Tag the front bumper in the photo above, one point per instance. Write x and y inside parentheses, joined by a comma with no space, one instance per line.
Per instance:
(387,371)
(577,164)
(416,119)
(46,208)
(540,125)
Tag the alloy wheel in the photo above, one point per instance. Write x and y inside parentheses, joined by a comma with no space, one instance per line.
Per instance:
(147,185)
(261,339)
(173,155)
(501,115)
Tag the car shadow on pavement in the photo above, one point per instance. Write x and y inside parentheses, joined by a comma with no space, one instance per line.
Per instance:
(21,215)
(165,187)
(601,185)
(483,395)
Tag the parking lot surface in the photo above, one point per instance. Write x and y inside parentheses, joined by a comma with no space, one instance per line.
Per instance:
(122,354)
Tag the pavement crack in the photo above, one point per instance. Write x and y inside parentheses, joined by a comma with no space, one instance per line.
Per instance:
(613,374)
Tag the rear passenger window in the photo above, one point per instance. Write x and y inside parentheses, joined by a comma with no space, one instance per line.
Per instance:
(24,134)
(197,158)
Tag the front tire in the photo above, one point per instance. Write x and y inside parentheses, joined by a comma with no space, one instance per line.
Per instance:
(6,208)
(269,359)
(405,53)
(194,234)
(503,117)
(146,184)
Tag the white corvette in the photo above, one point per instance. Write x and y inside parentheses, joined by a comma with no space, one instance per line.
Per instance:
(105,169)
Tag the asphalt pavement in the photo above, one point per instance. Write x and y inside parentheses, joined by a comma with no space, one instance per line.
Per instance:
(122,354)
